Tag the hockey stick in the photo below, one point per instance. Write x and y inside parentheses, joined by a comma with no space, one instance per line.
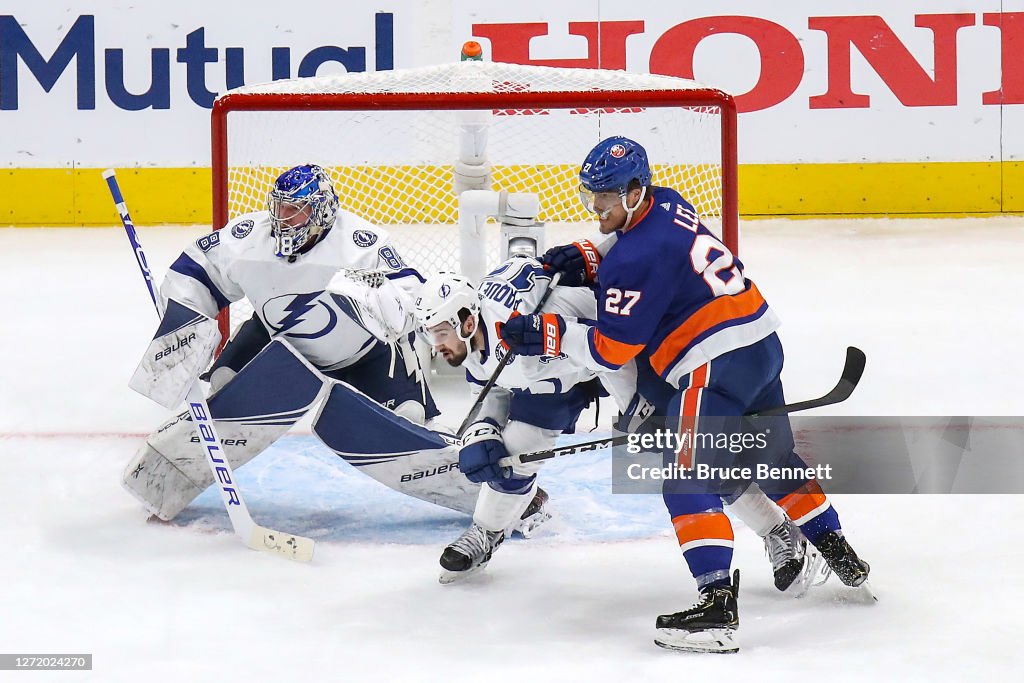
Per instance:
(471,415)
(252,534)
(852,371)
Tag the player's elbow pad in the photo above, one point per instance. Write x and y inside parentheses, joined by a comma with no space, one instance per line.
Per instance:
(182,346)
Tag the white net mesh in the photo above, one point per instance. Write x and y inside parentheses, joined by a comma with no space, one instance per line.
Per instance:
(396,167)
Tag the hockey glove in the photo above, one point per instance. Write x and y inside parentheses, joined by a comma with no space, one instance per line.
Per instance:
(577,262)
(638,418)
(482,448)
(539,334)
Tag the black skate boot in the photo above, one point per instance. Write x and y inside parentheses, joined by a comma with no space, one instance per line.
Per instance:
(797,566)
(708,626)
(535,514)
(844,562)
(469,553)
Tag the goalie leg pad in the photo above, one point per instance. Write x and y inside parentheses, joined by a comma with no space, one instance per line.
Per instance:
(400,454)
(391,376)
(252,411)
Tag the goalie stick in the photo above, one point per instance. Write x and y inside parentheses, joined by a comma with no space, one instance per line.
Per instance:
(852,371)
(252,534)
(471,415)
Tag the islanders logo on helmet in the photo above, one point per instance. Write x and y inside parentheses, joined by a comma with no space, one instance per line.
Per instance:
(613,163)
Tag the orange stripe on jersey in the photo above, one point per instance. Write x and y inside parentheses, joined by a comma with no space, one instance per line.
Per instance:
(615,352)
(702,525)
(803,501)
(689,410)
(718,310)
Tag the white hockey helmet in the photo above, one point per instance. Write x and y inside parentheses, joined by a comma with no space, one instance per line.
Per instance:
(442,297)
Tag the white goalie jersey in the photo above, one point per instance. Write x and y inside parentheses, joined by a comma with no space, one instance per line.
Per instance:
(294,296)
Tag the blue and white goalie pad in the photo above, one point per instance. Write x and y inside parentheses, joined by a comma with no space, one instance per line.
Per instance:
(402,455)
(182,346)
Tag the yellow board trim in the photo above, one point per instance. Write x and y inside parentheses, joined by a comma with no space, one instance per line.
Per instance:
(78,196)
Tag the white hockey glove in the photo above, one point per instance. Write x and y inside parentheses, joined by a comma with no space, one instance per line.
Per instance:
(377,304)
(183,345)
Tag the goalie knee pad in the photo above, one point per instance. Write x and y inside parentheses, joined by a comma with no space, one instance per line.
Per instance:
(252,411)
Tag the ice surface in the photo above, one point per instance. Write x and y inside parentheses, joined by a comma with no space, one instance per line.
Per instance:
(933,303)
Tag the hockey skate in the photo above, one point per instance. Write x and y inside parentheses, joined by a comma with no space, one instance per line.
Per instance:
(709,626)
(844,562)
(469,553)
(535,514)
(796,565)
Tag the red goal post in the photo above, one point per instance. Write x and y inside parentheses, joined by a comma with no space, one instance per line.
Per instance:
(393,141)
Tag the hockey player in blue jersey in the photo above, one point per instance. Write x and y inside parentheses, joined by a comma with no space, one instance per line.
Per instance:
(674,298)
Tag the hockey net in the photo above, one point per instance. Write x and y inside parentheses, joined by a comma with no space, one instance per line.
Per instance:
(392,140)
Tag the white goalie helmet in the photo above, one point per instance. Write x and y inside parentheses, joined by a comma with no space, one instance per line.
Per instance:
(442,297)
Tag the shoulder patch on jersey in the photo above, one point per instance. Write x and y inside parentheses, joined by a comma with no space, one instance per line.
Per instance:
(364,238)
(242,229)
(665,205)
(208,242)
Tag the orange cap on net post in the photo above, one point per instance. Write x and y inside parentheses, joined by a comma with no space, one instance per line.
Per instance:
(472,51)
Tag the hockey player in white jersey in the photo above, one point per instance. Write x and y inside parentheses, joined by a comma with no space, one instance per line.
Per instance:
(532,402)
(329,289)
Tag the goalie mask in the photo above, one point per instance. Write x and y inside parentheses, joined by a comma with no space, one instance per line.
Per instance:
(610,168)
(441,299)
(302,206)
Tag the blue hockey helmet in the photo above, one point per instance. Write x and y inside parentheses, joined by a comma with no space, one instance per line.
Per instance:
(613,164)
(302,205)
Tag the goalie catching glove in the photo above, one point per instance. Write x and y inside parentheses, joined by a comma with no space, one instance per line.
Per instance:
(577,262)
(539,334)
(374,302)
(482,448)
(182,346)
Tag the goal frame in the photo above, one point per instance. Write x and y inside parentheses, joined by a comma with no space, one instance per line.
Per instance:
(592,99)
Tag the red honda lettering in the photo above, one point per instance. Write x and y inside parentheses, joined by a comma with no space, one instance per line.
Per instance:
(782,60)
(890,59)
(1011,26)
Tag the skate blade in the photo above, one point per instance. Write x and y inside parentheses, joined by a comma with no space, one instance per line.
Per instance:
(866,593)
(449,577)
(815,573)
(528,526)
(713,641)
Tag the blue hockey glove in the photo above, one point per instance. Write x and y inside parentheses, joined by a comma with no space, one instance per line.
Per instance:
(577,262)
(638,418)
(539,334)
(482,448)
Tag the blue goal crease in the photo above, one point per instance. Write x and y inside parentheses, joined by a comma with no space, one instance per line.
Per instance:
(299,485)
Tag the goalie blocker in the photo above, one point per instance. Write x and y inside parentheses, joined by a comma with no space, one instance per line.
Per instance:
(270,394)
(182,346)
